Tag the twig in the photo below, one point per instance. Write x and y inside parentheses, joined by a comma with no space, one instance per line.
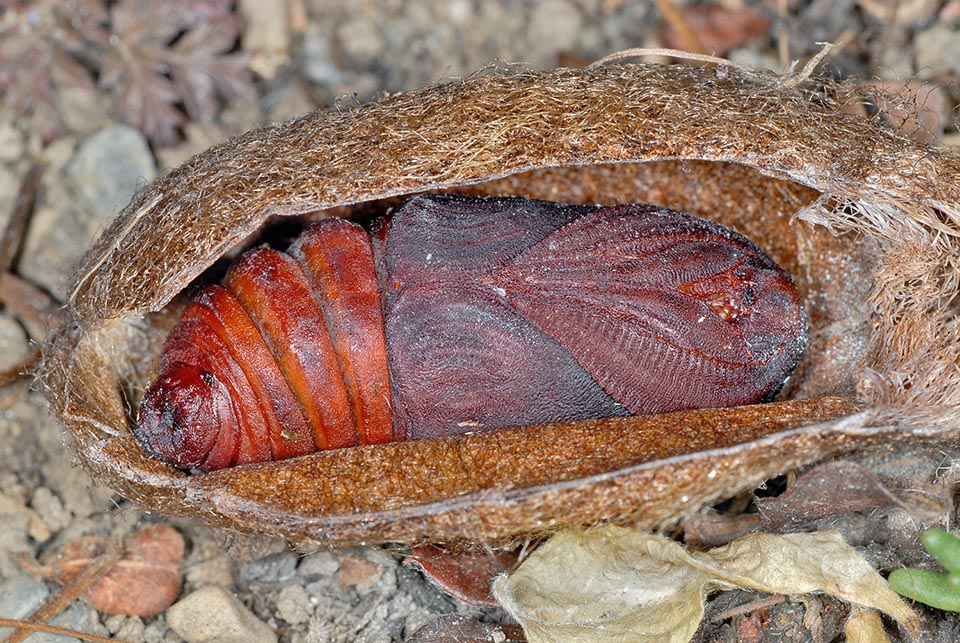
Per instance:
(16,371)
(11,242)
(751,606)
(37,311)
(783,36)
(681,25)
(68,593)
(53,629)
(673,53)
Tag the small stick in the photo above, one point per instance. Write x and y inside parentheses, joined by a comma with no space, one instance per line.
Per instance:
(11,243)
(37,311)
(53,629)
(68,593)
(681,25)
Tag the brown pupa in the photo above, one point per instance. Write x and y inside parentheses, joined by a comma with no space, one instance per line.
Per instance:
(469,314)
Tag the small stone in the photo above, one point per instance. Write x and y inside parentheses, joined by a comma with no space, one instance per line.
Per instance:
(108,168)
(361,41)
(315,60)
(214,614)
(51,510)
(275,568)
(14,346)
(359,573)
(293,605)
(20,596)
(11,142)
(938,49)
(132,629)
(553,21)
(317,566)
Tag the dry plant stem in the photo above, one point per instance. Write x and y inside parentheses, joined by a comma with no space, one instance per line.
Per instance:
(59,631)
(746,608)
(12,241)
(36,310)
(783,35)
(68,593)
(676,19)
(19,370)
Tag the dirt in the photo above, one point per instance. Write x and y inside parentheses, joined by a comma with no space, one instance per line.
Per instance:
(317,54)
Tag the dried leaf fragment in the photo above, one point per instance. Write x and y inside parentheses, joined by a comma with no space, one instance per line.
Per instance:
(615,584)
(144,582)
(466,576)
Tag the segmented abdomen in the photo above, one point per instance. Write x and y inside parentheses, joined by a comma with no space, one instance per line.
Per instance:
(469,314)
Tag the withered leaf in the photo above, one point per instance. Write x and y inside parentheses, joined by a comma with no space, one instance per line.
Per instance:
(467,576)
(144,582)
(719,28)
(615,584)
(826,490)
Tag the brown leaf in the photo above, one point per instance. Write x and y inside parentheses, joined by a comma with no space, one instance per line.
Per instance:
(826,490)
(718,28)
(144,582)
(465,576)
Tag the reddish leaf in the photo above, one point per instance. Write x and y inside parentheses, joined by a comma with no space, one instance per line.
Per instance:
(465,576)
(719,28)
(827,490)
(144,582)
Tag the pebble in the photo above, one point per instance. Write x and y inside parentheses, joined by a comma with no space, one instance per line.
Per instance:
(555,21)
(21,595)
(315,60)
(293,605)
(11,142)
(50,509)
(14,347)
(938,48)
(361,41)
(109,166)
(98,181)
(275,568)
(214,614)
(317,566)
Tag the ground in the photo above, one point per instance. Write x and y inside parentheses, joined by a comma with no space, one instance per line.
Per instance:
(299,55)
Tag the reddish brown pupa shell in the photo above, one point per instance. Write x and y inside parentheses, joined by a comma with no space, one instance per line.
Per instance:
(469,314)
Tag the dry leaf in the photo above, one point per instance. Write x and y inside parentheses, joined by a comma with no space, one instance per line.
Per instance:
(826,490)
(615,584)
(466,576)
(144,582)
(719,28)
(865,626)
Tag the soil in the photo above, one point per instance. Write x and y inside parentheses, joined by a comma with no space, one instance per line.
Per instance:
(318,54)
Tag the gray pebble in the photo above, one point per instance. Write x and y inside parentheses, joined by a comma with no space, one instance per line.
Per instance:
(361,41)
(275,568)
(13,343)
(131,629)
(293,605)
(109,166)
(214,614)
(21,595)
(50,509)
(315,60)
(553,25)
(938,48)
(317,566)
